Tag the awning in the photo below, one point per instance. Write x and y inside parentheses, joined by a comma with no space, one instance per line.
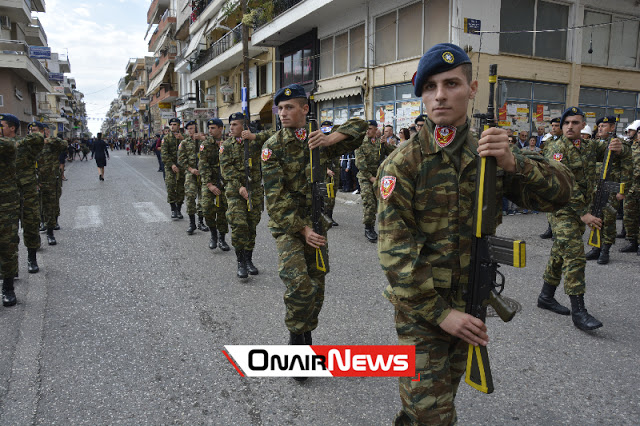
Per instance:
(258,105)
(158,79)
(195,41)
(336,94)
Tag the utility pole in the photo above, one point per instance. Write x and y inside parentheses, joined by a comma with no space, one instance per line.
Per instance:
(245,53)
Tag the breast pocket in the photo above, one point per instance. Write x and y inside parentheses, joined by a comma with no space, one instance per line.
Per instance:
(432,208)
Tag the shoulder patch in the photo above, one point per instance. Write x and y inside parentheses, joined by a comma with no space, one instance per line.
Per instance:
(266,154)
(387,185)
(180,146)
(558,156)
(221,149)
(202,147)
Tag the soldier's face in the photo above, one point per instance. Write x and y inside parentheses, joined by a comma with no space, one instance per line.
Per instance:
(446,97)
(293,113)
(174,127)
(7,131)
(191,130)
(235,128)
(555,129)
(572,126)
(604,129)
(371,131)
(215,131)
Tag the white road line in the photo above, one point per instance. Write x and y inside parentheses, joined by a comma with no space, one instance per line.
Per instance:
(87,217)
(150,213)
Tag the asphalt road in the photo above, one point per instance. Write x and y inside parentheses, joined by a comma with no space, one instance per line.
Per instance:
(127,319)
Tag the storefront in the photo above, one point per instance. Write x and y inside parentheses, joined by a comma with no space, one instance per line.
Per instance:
(396,106)
(339,111)
(597,103)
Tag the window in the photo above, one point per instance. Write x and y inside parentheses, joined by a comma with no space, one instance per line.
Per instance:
(622,35)
(343,52)
(597,103)
(260,80)
(409,34)
(385,38)
(396,105)
(340,110)
(297,67)
(527,15)
(212,97)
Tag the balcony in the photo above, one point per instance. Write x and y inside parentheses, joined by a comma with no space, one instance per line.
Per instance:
(156,10)
(167,93)
(188,101)
(15,55)
(168,56)
(138,88)
(17,10)
(34,34)
(203,10)
(167,22)
(38,6)
(65,66)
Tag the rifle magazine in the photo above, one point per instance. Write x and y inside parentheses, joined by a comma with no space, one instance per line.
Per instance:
(478,374)
(594,238)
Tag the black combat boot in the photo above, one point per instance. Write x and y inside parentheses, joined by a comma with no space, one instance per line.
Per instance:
(298,339)
(8,294)
(201,225)
(32,263)
(603,259)
(57,227)
(242,265)
(192,224)
(580,316)
(248,255)
(631,247)
(330,216)
(222,243)
(308,340)
(179,211)
(174,211)
(51,240)
(370,233)
(213,242)
(547,301)
(593,254)
(43,227)
(623,233)
(547,234)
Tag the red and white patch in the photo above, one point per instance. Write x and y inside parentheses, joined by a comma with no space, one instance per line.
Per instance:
(444,135)
(221,149)
(301,134)
(180,146)
(557,156)
(266,154)
(201,148)
(238,140)
(576,143)
(387,185)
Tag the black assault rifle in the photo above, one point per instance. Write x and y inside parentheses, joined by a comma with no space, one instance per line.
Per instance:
(247,167)
(488,252)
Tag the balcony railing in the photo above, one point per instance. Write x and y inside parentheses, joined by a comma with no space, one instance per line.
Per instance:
(279,7)
(168,18)
(168,55)
(16,47)
(189,97)
(198,6)
(225,43)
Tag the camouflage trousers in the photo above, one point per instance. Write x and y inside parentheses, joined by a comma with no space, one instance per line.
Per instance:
(50,201)
(567,254)
(244,222)
(632,215)
(331,202)
(192,194)
(30,215)
(9,241)
(608,231)
(369,202)
(304,295)
(175,186)
(441,361)
(214,210)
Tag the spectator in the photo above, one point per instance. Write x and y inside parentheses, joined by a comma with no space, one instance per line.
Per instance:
(532,146)
(541,133)
(388,135)
(523,138)
(404,135)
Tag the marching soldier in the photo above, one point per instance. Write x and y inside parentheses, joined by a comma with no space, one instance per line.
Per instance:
(632,200)
(174,176)
(9,207)
(556,133)
(188,162)
(50,182)
(285,160)
(245,194)
(214,202)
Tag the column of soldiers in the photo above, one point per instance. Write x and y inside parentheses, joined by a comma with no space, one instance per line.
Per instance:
(30,189)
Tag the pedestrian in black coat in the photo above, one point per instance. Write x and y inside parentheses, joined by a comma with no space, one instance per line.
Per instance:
(101,153)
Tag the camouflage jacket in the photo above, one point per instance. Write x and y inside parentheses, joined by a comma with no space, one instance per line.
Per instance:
(425,217)
(28,150)
(9,197)
(188,154)
(49,162)
(169,150)
(620,165)
(635,154)
(210,162)
(370,155)
(232,164)
(287,174)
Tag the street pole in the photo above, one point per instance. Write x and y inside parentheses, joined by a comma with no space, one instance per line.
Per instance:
(245,55)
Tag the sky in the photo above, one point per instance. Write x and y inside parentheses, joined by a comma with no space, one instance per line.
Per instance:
(100,38)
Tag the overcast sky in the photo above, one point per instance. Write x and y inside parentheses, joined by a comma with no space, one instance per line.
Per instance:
(100,37)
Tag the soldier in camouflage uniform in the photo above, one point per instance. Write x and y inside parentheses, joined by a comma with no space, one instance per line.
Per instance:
(49,169)
(556,133)
(174,176)
(632,201)
(425,215)
(9,207)
(333,174)
(620,170)
(287,171)
(567,253)
(214,202)
(188,153)
(368,158)
(243,220)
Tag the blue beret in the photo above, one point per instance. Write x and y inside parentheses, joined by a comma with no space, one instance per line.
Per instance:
(607,119)
(215,122)
(373,123)
(291,91)
(174,120)
(37,124)
(236,116)
(11,119)
(570,112)
(326,123)
(191,123)
(440,58)
(419,118)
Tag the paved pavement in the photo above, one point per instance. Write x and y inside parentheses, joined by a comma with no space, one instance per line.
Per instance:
(127,319)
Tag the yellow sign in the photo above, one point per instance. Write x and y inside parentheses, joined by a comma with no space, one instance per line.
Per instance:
(590,114)
(164,105)
(618,111)
(523,110)
(504,123)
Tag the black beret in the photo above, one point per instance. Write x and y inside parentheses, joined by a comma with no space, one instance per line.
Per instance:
(292,91)
(607,119)
(419,118)
(236,116)
(440,58)
(11,119)
(37,124)
(373,123)
(571,112)
(174,120)
(190,123)
(326,123)
(215,122)
(555,120)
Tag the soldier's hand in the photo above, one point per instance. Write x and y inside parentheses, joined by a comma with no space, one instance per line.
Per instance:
(214,189)
(591,221)
(317,139)
(372,179)
(246,134)
(466,327)
(330,173)
(615,145)
(495,143)
(175,169)
(195,172)
(620,197)
(243,193)
(313,239)
(179,136)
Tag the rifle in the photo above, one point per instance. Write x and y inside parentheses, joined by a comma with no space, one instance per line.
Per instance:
(247,167)
(487,253)
(39,193)
(604,190)
(319,191)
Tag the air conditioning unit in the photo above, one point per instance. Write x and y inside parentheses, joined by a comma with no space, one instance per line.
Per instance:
(224,80)
(228,98)
(5,22)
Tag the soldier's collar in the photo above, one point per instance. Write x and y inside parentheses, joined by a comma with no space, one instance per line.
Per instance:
(427,137)
(238,140)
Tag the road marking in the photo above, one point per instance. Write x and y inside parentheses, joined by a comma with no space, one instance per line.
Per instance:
(152,186)
(150,213)
(88,217)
